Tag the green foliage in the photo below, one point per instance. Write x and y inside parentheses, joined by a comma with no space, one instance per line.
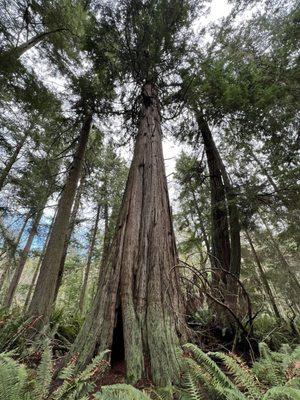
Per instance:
(67,324)
(13,378)
(242,376)
(43,376)
(121,392)
(20,383)
(204,378)
(12,329)
(282,393)
(273,367)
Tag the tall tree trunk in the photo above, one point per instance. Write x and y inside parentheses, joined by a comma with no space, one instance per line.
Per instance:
(12,160)
(35,275)
(233,215)
(219,221)
(109,223)
(263,278)
(68,237)
(89,260)
(138,302)
(43,296)
(23,258)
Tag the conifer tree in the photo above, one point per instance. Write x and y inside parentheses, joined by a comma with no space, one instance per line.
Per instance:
(139,289)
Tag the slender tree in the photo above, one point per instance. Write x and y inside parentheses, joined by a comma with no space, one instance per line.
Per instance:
(23,257)
(264,278)
(89,260)
(43,296)
(71,227)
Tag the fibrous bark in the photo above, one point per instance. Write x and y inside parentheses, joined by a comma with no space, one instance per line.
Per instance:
(71,227)
(138,297)
(44,293)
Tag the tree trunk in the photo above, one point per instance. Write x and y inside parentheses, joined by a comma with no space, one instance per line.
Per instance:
(33,280)
(23,258)
(89,261)
(12,160)
(138,307)
(219,221)
(32,283)
(68,237)
(264,278)
(109,224)
(12,256)
(233,216)
(43,296)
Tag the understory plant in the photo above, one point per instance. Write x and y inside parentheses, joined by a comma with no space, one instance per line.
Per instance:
(205,376)
(222,376)
(17,382)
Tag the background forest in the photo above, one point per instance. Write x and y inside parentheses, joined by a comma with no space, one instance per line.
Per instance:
(149,199)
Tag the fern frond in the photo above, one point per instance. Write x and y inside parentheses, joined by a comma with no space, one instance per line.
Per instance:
(241,375)
(97,366)
(13,378)
(282,393)
(210,366)
(44,374)
(120,391)
(264,350)
(192,388)
(164,393)
(268,372)
(79,385)
(231,394)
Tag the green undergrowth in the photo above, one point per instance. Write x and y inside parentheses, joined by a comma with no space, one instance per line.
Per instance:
(211,376)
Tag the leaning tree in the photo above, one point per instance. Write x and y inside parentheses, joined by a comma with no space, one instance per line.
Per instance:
(138,310)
